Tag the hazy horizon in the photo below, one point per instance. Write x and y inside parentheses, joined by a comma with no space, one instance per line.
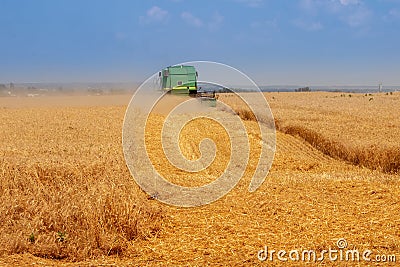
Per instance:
(133,85)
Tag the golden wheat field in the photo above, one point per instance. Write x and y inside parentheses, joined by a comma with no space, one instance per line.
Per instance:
(67,197)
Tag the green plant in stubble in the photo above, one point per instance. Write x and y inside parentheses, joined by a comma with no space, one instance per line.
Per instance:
(61,236)
(32,238)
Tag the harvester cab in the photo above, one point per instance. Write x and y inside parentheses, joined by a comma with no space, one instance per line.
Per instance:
(182,80)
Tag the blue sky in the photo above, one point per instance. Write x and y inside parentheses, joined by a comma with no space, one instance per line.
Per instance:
(301,42)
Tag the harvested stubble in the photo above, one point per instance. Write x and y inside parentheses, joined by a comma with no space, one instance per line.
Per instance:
(308,200)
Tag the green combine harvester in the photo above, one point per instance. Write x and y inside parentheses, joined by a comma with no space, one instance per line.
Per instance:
(182,80)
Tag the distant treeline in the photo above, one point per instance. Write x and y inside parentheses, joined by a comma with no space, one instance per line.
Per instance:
(6,90)
(303,89)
